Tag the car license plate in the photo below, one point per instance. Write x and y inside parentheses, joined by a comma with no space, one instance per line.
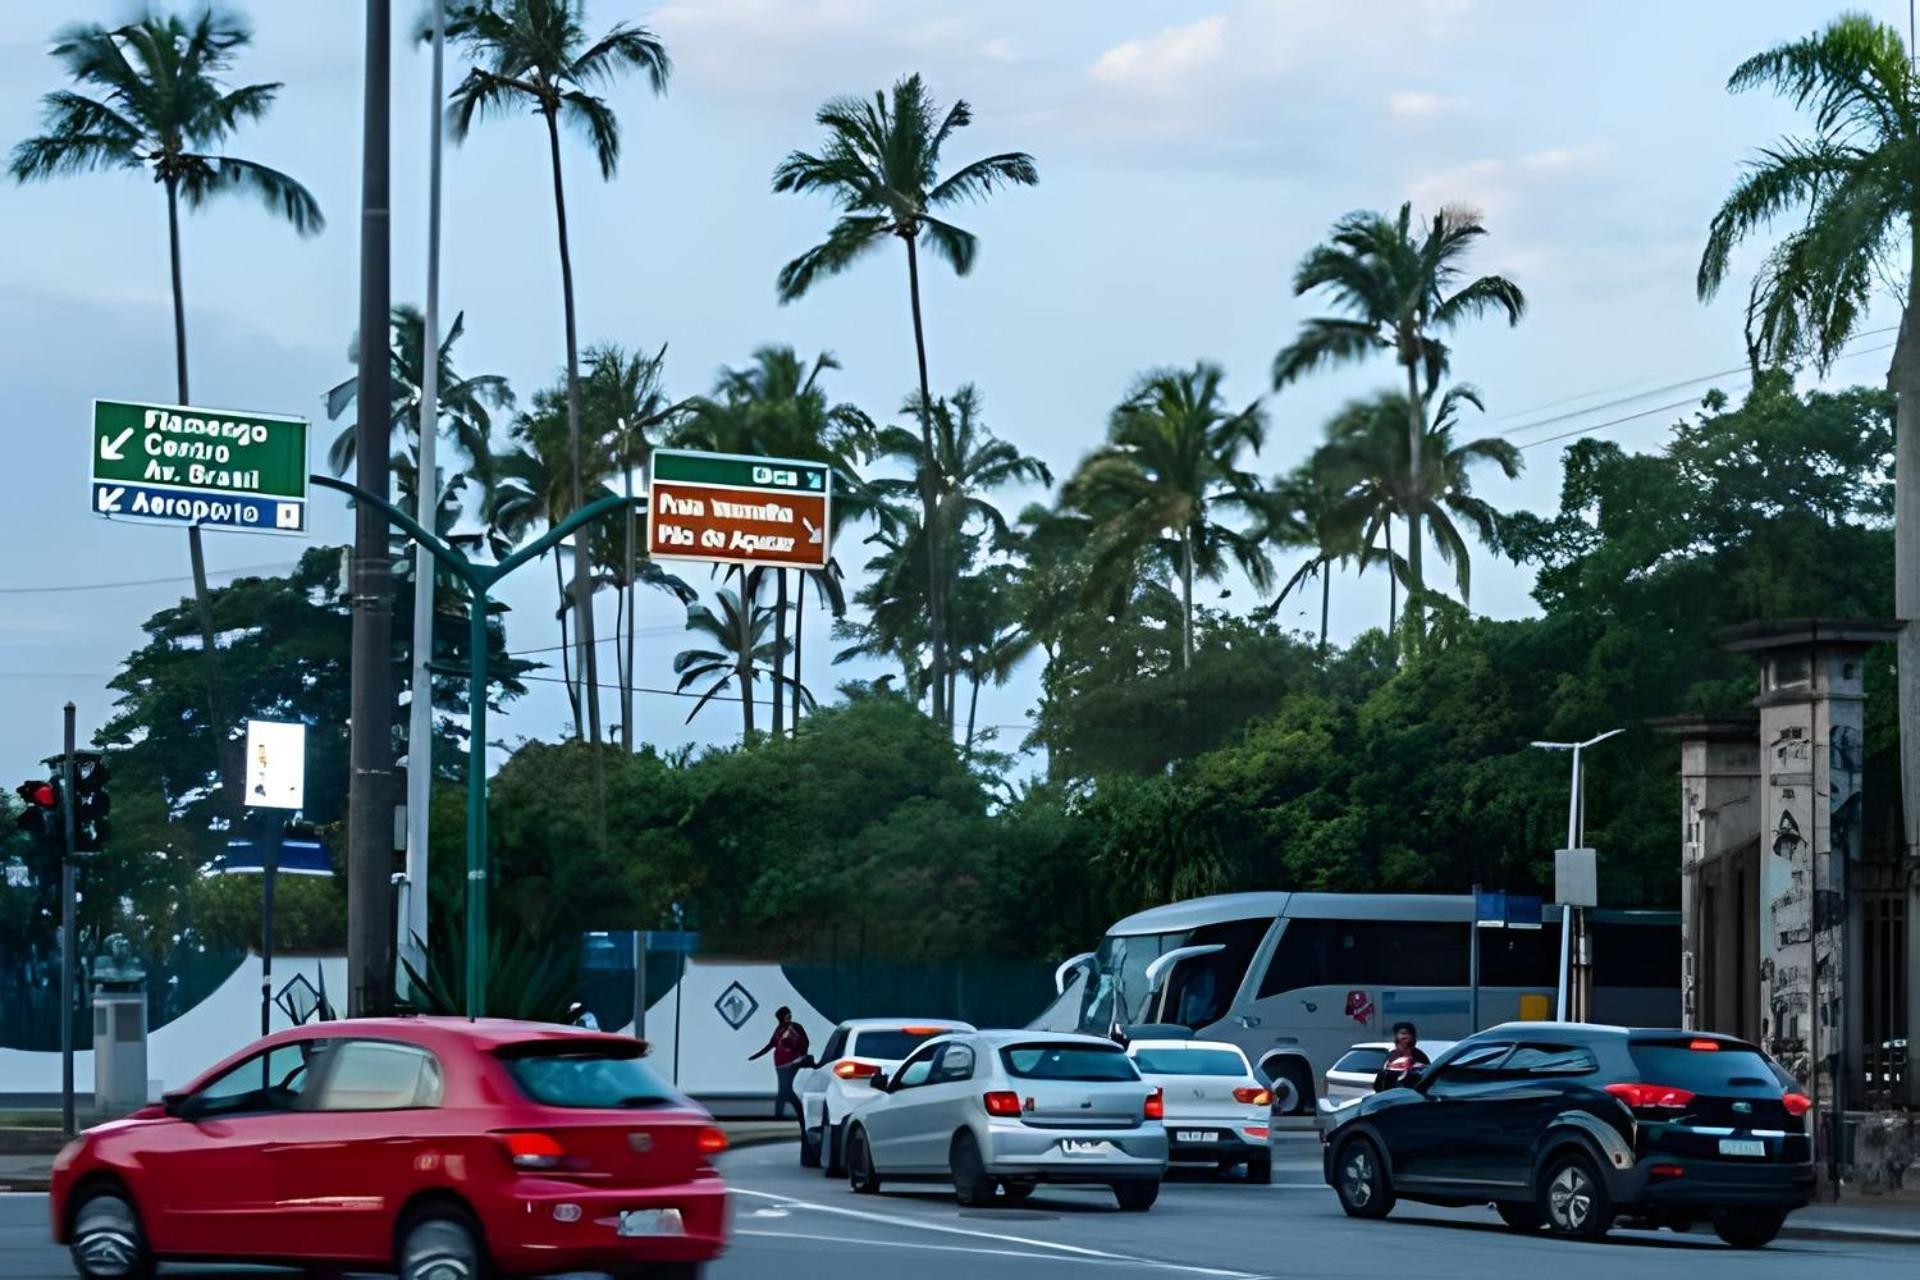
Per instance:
(1084,1147)
(1743,1147)
(1194,1135)
(650,1222)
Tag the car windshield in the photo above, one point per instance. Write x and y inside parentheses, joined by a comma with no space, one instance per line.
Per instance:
(603,1076)
(1067,1062)
(1365,1062)
(891,1045)
(1190,1062)
(1708,1071)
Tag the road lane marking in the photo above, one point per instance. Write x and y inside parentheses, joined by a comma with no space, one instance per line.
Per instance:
(1071,1250)
(974,1250)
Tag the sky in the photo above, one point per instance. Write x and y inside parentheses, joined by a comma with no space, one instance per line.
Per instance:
(1190,152)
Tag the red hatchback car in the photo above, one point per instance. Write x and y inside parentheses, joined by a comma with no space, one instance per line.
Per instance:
(435,1147)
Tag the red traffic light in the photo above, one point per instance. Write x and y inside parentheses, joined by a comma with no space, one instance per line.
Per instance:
(38,795)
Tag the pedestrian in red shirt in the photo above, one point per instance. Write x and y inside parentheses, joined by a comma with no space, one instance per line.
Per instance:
(789,1046)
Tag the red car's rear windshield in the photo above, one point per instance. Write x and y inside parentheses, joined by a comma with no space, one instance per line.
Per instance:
(599,1075)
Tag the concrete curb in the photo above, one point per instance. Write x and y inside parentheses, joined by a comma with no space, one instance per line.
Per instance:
(1861,1235)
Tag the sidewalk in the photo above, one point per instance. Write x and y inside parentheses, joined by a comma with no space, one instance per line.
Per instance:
(1893,1219)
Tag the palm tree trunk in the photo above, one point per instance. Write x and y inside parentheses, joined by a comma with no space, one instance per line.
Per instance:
(1326,601)
(799,629)
(929,500)
(589,663)
(196,553)
(1393,582)
(566,658)
(973,707)
(779,652)
(1186,600)
(743,665)
(1417,582)
(1904,378)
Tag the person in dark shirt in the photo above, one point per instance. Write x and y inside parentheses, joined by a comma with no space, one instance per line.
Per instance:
(789,1046)
(1405,1061)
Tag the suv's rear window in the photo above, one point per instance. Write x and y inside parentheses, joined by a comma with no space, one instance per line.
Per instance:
(1362,1061)
(1067,1062)
(561,1075)
(891,1045)
(1189,1062)
(1708,1071)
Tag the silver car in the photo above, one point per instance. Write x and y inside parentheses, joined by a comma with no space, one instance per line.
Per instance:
(1008,1110)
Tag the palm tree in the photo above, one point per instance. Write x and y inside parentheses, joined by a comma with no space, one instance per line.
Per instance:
(968,462)
(1170,466)
(1402,288)
(742,652)
(535,55)
(988,640)
(881,165)
(157,104)
(1846,193)
(777,407)
(466,404)
(1368,461)
(1300,513)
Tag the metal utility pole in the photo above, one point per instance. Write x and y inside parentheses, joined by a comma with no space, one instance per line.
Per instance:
(426,511)
(69,927)
(370,792)
(1576,824)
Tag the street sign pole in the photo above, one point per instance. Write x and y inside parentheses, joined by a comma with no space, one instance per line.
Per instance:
(478,581)
(1473,969)
(69,944)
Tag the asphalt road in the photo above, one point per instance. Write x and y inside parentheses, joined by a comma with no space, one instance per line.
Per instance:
(792,1224)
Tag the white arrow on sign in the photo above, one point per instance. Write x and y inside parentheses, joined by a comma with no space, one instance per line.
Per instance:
(108,499)
(813,534)
(110,449)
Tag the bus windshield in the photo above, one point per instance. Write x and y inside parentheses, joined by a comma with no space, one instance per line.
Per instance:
(1196,992)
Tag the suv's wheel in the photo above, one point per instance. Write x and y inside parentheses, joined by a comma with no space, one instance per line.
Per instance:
(1292,1089)
(1572,1198)
(833,1147)
(1521,1217)
(1136,1196)
(971,1185)
(860,1172)
(1748,1228)
(1017,1192)
(440,1244)
(107,1243)
(1360,1179)
(811,1142)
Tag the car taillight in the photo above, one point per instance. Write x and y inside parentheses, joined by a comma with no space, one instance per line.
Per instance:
(711,1141)
(849,1069)
(533,1150)
(1661,1097)
(1796,1103)
(1704,1046)
(1156,1105)
(1003,1103)
(1254,1097)
(1259,1131)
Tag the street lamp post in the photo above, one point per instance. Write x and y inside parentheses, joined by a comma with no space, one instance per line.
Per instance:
(1576,826)
(478,580)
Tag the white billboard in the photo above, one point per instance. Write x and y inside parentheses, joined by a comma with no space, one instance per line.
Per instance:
(276,764)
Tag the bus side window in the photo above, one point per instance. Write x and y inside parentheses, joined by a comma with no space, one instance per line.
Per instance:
(1299,958)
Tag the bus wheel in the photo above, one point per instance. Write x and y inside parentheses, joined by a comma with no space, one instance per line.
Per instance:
(1292,1091)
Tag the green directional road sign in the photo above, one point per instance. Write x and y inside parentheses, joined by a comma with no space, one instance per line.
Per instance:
(216,467)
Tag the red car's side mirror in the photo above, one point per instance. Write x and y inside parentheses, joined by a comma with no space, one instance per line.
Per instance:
(175,1103)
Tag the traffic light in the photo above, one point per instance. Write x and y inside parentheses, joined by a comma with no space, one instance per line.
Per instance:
(90,802)
(41,818)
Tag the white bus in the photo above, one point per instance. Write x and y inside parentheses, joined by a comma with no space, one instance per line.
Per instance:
(1295,979)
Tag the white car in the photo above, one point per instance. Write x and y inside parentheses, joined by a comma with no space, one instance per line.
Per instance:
(842,1081)
(1351,1078)
(1216,1108)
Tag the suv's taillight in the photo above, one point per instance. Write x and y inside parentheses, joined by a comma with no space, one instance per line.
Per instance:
(1796,1103)
(1156,1105)
(533,1150)
(1651,1097)
(1003,1103)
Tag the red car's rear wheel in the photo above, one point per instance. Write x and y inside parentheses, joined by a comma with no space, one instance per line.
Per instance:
(440,1244)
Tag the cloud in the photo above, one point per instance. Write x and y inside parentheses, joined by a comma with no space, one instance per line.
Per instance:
(1412,104)
(1166,61)
(1497,186)
(1000,50)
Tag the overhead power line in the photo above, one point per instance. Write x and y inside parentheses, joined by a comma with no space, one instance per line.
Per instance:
(139,582)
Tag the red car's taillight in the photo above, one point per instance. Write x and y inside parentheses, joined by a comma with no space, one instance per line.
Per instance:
(1796,1103)
(1651,1097)
(711,1141)
(1254,1097)
(1003,1103)
(1156,1105)
(533,1150)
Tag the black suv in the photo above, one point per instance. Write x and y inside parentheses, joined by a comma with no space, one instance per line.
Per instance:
(1573,1126)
